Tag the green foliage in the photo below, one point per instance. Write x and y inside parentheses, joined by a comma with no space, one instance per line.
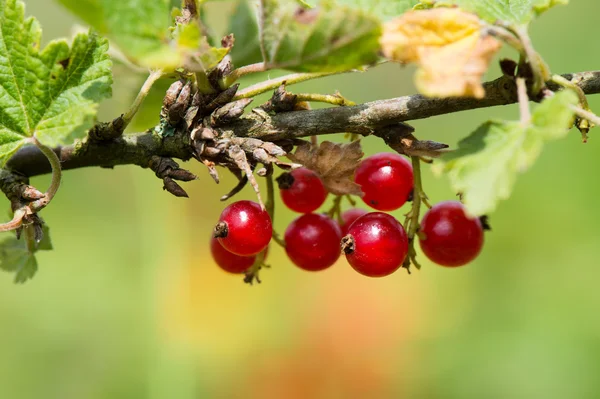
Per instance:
(16,257)
(142,31)
(383,9)
(328,38)
(244,26)
(486,164)
(52,93)
(513,12)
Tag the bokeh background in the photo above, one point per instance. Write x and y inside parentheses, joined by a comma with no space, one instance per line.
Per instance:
(130,304)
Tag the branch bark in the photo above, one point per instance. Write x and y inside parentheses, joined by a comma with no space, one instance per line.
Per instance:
(137,149)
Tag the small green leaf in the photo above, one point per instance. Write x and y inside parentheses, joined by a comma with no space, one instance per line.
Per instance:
(514,12)
(327,38)
(16,257)
(486,164)
(244,26)
(52,93)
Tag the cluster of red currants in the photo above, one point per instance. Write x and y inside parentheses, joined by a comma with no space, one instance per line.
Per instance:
(375,243)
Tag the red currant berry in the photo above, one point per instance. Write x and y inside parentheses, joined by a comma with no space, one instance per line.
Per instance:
(376,244)
(244,228)
(386,180)
(227,261)
(349,216)
(312,242)
(449,236)
(302,190)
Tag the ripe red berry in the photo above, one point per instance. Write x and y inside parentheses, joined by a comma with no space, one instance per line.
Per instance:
(244,228)
(312,242)
(386,180)
(376,244)
(449,236)
(227,261)
(349,216)
(302,190)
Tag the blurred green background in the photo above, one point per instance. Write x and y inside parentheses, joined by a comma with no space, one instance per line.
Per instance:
(130,304)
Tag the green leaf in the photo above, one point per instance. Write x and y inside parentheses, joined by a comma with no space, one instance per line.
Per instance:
(383,9)
(244,26)
(486,164)
(327,38)
(52,93)
(16,257)
(514,12)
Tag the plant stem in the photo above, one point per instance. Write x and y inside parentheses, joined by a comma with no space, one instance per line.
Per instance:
(137,103)
(335,99)
(541,72)
(560,80)
(523,101)
(585,114)
(16,221)
(56,168)
(413,223)
(272,84)
(239,72)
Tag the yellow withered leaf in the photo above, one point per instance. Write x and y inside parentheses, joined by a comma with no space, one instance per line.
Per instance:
(449,46)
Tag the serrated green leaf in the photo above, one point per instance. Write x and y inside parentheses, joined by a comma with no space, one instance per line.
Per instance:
(52,93)
(515,12)
(327,38)
(486,164)
(244,26)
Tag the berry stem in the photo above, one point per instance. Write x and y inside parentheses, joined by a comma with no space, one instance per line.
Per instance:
(413,217)
(270,205)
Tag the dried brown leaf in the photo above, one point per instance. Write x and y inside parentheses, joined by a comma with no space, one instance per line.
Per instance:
(450,46)
(335,163)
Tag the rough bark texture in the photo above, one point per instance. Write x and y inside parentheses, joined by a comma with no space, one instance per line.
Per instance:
(138,149)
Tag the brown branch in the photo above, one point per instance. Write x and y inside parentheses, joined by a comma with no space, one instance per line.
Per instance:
(363,119)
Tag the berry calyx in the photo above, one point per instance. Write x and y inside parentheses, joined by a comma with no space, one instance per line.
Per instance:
(312,242)
(376,244)
(386,180)
(448,236)
(349,216)
(227,261)
(244,228)
(302,190)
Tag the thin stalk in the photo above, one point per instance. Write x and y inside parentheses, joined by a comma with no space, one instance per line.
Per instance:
(137,103)
(56,169)
(335,99)
(272,84)
(560,80)
(585,114)
(242,71)
(413,218)
(16,222)
(523,101)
